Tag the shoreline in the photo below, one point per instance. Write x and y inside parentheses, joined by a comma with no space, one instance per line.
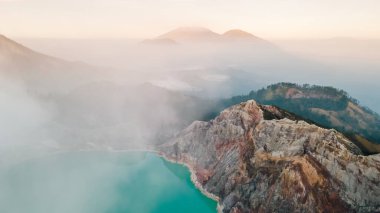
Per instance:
(193,176)
(160,154)
(194,180)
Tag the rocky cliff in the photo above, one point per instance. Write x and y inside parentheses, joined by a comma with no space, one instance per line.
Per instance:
(257,158)
(327,106)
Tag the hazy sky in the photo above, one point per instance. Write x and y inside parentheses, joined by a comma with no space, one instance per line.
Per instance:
(147,18)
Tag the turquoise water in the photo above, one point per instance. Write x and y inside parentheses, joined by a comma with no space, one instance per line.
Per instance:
(92,182)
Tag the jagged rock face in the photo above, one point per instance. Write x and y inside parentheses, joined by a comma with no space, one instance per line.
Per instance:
(327,106)
(281,165)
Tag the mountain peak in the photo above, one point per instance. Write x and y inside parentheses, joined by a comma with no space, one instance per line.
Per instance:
(239,34)
(190,33)
(196,34)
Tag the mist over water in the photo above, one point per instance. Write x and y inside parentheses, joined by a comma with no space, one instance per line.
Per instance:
(101,182)
(90,89)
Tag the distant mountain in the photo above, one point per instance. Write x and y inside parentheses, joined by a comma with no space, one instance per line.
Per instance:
(13,54)
(190,34)
(325,106)
(200,34)
(41,72)
(237,34)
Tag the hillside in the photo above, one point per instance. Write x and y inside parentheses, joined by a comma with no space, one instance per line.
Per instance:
(190,33)
(326,106)
(240,34)
(39,72)
(256,158)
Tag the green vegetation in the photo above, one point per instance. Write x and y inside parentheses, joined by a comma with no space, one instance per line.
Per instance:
(327,106)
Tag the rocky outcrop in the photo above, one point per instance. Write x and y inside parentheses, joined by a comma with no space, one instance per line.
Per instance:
(326,106)
(258,158)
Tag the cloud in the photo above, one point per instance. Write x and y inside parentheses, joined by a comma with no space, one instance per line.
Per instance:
(21,115)
(174,84)
(215,77)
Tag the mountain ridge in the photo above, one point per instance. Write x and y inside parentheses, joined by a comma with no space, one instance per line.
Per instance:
(201,34)
(327,106)
(41,73)
(240,34)
(252,163)
(10,49)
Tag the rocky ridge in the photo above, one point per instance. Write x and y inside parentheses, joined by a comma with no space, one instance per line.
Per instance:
(327,106)
(258,158)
